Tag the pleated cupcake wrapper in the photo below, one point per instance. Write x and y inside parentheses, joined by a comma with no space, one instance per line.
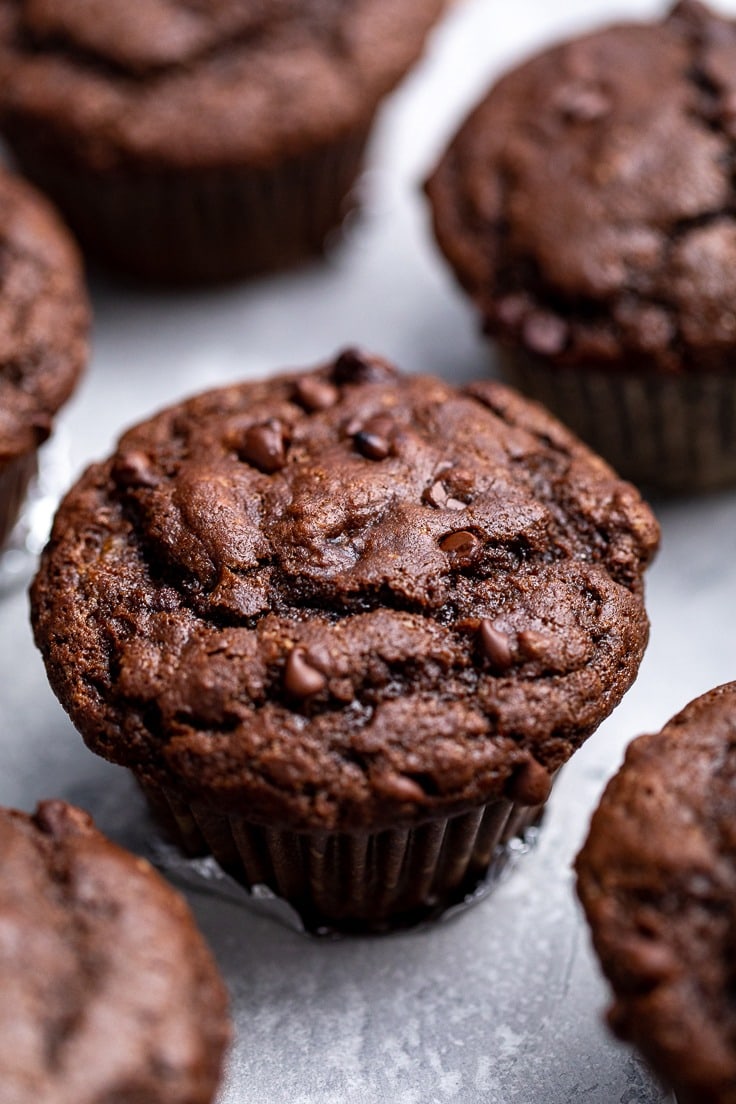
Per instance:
(188,226)
(15,477)
(354,881)
(672,433)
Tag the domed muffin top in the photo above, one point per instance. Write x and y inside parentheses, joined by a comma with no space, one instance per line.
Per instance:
(204,82)
(657,877)
(588,203)
(345,597)
(44,317)
(107,991)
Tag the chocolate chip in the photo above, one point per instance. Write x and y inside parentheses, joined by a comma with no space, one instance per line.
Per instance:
(545,333)
(353,366)
(496,645)
(401,788)
(437,496)
(530,785)
(463,547)
(264,446)
(374,438)
(133,469)
(300,678)
(314,393)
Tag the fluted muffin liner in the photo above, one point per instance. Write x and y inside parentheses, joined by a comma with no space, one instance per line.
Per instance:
(675,433)
(354,881)
(201,225)
(15,478)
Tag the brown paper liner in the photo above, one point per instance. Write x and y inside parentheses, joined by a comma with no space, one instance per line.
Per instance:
(15,476)
(354,881)
(199,225)
(671,433)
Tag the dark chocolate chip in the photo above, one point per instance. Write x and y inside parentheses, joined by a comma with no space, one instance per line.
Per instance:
(401,788)
(300,678)
(374,438)
(496,645)
(133,469)
(353,366)
(264,446)
(530,785)
(462,547)
(545,333)
(314,393)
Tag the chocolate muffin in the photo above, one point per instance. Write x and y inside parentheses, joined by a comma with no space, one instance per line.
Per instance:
(107,991)
(657,878)
(190,141)
(345,626)
(43,334)
(587,206)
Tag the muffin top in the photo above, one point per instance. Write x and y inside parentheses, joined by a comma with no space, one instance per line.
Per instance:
(43,317)
(201,82)
(657,877)
(107,991)
(345,597)
(588,203)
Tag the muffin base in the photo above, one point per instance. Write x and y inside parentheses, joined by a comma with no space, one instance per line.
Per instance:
(672,433)
(199,225)
(356,882)
(15,478)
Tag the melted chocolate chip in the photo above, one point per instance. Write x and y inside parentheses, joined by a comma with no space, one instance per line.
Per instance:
(462,547)
(496,645)
(300,678)
(315,394)
(401,788)
(352,366)
(374,438)
(264,446)
(530,785)
(133,469)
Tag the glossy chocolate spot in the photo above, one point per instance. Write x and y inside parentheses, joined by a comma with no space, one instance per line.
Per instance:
(264,446)
(315,394)
(530,785)
(300,678)
(374,438)
(496,645)
(353,366)
(401,788)
(462,547)
(133,469)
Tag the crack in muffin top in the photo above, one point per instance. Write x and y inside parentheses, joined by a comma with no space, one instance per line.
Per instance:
(588,204)
(657,877)
(184,82)
(345,596)
(107,991)
(44,317)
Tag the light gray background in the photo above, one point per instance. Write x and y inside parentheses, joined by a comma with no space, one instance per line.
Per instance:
(503,1004)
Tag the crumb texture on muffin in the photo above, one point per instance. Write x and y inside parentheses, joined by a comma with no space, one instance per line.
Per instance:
(195,83)
(342,597)
(107,992)
(43,317)
(657,877)
(588,203)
